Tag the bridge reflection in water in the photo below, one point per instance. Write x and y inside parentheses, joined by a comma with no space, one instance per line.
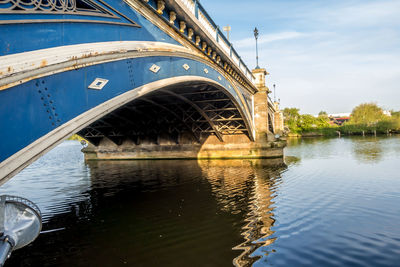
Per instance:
(247,188)
(331,207)
(243,189)
(169,213)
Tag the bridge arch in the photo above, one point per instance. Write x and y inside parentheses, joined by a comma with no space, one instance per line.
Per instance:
(153,57)
(206,121)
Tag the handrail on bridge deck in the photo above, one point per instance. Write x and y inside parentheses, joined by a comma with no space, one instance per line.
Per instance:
(201,14)
(271,103)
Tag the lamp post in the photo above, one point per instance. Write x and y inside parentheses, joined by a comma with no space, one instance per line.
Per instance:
(274,93)
(256,36)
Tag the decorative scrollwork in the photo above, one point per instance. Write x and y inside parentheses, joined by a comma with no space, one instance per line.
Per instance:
(50,6)
(93,8)
(39,5)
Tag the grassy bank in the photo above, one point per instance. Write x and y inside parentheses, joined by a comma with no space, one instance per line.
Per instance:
(344,131)
(365,119)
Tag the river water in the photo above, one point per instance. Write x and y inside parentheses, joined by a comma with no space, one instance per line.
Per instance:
(332,202)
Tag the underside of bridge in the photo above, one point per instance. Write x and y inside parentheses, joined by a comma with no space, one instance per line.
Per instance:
(187,113)
(186,120)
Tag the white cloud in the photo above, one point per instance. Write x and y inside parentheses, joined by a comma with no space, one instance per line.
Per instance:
(267,38)
(340,57)
(365,14)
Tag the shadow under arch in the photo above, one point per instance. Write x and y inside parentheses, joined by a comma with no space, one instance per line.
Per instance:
(270,124)
(171,111)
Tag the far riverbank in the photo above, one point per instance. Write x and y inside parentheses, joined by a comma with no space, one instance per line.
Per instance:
(343,131)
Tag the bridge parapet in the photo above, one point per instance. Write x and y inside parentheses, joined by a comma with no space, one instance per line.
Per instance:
(191,19)
(206,21)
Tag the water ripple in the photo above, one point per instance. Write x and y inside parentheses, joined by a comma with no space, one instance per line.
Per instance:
(333,204)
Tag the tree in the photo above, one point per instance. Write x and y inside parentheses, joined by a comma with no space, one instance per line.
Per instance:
(310,123)
(368,114)
(322,114)
(385,125)
(395,119)
(307,122)
(291,113)
(292,117)
(323,119)
(395,114)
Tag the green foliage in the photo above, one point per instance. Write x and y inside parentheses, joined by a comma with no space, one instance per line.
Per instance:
(309,122)
(395,114)
(368,113)
(323,116)
(392,123)
(396,120)
(365,118)
(349,128)
(291,118)
(291,113)
(368,118)
(304,123)
(384,125)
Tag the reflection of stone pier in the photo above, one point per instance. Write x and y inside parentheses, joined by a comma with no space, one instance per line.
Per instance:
(246,187)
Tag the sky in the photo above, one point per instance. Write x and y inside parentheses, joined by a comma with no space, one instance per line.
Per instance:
(322,55)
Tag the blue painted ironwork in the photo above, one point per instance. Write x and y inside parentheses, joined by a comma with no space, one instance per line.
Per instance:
(47,100)
(59,98)
(31,25)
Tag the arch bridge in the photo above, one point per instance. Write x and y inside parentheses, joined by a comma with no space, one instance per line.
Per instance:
(136,78)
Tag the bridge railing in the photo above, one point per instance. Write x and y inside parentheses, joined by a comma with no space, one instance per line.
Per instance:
(271,104)
(212,28)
